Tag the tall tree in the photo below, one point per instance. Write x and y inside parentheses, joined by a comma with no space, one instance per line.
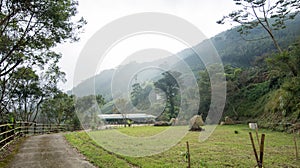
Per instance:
(140,95)
(254,13)
(205,93)
(26,95)
(169,84)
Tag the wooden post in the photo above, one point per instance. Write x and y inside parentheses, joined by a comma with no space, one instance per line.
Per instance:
(261,150)
(254,149)
(34,128)
(13,132)
(188,154)
(5,135)
(27,127)
(256,131)
(296,147)
(2,129)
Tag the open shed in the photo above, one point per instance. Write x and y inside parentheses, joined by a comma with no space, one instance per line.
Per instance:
(138,118)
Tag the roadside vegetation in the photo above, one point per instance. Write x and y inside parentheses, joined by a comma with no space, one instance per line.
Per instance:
(6,156)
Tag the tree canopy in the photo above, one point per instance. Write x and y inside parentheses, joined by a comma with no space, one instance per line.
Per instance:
(28,31)
(169,84)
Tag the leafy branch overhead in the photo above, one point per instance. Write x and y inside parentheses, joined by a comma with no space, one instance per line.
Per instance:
(269,15)
(28,29)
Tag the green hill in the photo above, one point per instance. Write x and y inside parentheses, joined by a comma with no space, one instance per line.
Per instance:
(252,88)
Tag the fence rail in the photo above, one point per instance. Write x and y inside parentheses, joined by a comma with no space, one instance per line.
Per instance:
(11,131)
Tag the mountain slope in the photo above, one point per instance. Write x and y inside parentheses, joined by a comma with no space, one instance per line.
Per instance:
(230,46)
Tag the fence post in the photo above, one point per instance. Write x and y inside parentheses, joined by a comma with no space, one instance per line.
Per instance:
(2,130)
(1,137)
(254,149)
(188,154)
(13,130)
(6,134)
(34,128)
(27,128)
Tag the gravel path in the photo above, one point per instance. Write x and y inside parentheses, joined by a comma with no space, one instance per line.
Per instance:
(48,151)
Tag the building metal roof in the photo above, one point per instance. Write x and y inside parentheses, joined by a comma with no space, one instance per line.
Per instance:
(129,116)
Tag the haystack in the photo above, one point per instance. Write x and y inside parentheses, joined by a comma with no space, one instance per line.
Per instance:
(228,121)
(196,122)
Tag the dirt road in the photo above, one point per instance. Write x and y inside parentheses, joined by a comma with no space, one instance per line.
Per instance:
(48,151)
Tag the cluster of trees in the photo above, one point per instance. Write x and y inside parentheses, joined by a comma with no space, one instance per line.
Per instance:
(269,90)
(169,89)
(29,71)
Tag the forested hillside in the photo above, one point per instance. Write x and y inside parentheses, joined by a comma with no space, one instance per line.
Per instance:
(241,51)
(231,47)
(259,81)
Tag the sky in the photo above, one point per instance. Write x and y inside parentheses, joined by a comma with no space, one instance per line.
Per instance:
(98,13)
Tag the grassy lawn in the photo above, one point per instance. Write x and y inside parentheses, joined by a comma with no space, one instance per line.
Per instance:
(224,148)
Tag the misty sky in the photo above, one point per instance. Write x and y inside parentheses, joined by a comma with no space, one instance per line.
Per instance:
(98,13)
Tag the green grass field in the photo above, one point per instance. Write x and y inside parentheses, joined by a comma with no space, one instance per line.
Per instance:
(224,148)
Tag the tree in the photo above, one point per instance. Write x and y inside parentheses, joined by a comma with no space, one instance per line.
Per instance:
(26,96)
(136,94)
(254,13)
(87,109)
(28,31)
(170,85)
(285,63)
(59,109)
(205,93)
(140,95)
(121,107)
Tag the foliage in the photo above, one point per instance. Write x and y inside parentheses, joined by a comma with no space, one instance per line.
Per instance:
(169,84)
(59,109)
(276,91)
(205,93)
(255,91)
(28,66)
(26,97)
(210,78)
(87,109)
(140,96)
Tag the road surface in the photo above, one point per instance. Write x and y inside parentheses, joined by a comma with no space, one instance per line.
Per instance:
(48,151)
